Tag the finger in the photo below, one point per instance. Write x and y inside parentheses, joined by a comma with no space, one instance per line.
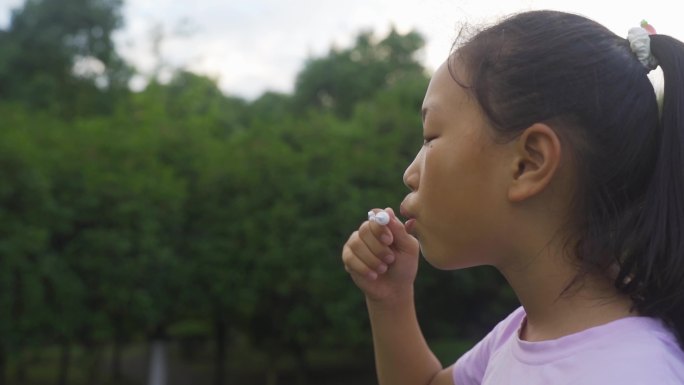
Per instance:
(368,257)
(403,241)
(354,265)
(361,251)
(368,233)
(381,231)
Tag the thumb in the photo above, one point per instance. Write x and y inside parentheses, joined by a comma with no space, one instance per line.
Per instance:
(403,241)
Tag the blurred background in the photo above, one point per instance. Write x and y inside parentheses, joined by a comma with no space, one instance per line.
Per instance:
(177,180)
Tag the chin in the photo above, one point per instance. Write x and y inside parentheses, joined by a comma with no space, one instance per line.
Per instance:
(446,261)
(434,259)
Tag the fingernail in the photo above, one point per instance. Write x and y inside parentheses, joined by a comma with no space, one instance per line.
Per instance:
(386,239)
(372,275)
(382,269)
(389,258)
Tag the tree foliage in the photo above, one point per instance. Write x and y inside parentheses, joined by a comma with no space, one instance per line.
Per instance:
(125,215)
(348,76)
(59,55)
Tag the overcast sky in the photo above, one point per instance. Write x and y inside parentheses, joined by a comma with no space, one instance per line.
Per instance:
(251,46)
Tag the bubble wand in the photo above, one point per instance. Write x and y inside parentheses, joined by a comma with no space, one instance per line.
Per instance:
(381,218)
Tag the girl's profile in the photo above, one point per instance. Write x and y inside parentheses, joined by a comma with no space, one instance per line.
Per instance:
(548,155)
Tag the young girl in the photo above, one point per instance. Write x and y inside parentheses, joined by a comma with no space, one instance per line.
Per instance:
(547,156)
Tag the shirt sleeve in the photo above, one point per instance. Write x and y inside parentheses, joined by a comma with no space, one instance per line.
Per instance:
(471,367)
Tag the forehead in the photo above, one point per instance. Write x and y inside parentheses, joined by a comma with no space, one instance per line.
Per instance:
(444,93)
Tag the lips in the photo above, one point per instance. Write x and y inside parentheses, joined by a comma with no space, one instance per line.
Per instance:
(404,211)
(409,225)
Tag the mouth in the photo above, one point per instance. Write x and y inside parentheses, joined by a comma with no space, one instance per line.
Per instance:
(410,227)
(405,212)
(410,222)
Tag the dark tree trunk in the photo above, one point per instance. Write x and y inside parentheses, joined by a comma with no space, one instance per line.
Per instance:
(94,367)
(116,370)
(117,373)
(302,365)
(64,363)
(220,351)
(3,367)
(20,369)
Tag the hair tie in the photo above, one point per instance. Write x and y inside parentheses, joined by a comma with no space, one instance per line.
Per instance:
(640,43)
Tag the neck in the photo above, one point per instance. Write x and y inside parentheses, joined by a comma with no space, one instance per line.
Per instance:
(557,300)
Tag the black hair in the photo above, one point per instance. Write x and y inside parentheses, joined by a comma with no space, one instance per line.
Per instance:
(585,82)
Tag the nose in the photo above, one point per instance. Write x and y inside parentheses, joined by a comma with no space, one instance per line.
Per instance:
(412,174)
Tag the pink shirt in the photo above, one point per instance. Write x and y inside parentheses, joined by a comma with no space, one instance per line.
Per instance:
(629,351)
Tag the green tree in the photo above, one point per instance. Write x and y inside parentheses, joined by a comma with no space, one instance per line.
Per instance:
(116,213)
(189,102)
(302,175)
(200,131)
(180,208)
(345,77)
(24,200)
(59,55)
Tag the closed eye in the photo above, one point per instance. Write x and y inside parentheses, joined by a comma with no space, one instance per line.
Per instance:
(428,139)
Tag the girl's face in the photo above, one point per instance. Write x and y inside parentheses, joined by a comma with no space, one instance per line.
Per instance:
(457,180)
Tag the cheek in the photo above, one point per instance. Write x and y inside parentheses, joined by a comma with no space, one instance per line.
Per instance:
(440,180)
(440,195)
(457,221)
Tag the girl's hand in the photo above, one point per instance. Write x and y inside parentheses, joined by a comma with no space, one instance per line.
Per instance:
(382,260)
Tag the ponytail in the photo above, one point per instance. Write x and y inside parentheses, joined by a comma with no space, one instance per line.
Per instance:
(652,271)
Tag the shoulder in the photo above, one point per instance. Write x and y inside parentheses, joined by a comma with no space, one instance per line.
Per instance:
(471,367)
(508,328)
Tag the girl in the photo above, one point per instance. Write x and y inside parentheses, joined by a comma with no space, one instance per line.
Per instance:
(547,156)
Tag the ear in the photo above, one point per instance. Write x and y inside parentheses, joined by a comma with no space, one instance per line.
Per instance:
(536,159)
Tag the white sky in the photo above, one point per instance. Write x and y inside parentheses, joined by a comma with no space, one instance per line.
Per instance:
(250,46)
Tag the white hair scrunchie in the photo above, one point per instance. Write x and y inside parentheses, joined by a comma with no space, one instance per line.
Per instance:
(640,42)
